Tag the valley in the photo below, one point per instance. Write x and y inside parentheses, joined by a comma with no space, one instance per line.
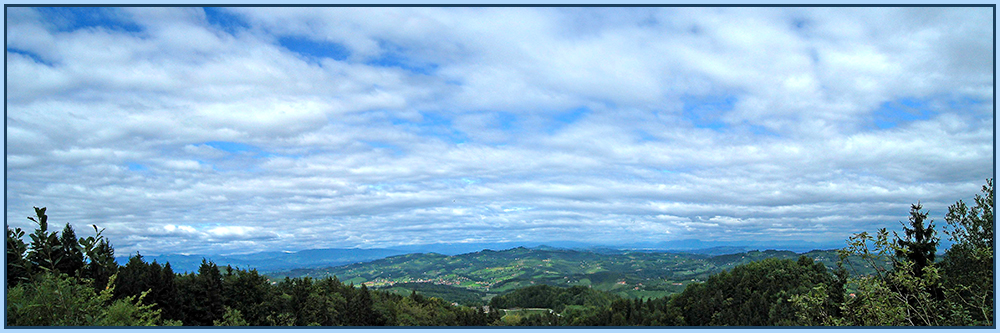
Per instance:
(473,278)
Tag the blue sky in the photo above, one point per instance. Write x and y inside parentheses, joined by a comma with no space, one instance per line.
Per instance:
(234,130)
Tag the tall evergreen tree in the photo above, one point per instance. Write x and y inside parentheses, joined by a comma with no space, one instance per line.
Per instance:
(133,278)
(210,284)
(249,293)
(361,311)
(920,243)
(168,293)
(69,255)
(154,279)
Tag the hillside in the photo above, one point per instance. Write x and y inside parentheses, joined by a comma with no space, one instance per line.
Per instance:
(632,274)
(269,261)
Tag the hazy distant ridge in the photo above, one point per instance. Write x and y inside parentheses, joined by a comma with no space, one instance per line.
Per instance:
(317,258)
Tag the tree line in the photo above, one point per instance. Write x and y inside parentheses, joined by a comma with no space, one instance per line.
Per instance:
(59,279)
(915,289)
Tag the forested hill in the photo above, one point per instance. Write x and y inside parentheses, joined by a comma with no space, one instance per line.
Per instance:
(271,261)
(626,273)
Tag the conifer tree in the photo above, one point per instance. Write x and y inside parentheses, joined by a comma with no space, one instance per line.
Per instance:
(210,283)
(69,255)
(920,243)
(133,278)
(168,293)
(361,310)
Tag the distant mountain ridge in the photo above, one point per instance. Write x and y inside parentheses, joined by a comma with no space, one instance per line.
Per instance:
(272,261)
(319,258)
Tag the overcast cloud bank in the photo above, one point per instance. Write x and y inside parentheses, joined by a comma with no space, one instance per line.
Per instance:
(235,130)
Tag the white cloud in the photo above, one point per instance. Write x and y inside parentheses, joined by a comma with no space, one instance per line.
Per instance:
(109,126)
(183,228)
(231,231)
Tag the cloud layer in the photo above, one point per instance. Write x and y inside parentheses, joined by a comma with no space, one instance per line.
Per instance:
(233,130)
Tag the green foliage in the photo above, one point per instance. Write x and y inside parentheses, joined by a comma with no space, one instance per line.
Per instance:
(99,261)
(463,296)
(69,255)
(312,306)
(156,282)
(90,257)
(61,300)
(63,280)
(812,308)
(894,297)
(151,294)
(417,310)
(200,296)
(917,291)
(18,266)
(249,293)
(756,294)
(920,244)
(231,317)
(44,244)
(630,274)
(635,312)
(360,309)
(968,268)
(52,301)
(555,298)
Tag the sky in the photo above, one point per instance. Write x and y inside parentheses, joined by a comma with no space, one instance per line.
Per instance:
(237,130)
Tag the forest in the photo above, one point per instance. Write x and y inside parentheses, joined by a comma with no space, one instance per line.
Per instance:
(473,278)
(59,279)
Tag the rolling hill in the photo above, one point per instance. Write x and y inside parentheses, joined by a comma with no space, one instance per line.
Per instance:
(486,273)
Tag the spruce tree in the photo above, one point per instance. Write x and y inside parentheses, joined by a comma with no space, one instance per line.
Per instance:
(69,256)
(920,243)
(210,283)
(168,294)
(133,278)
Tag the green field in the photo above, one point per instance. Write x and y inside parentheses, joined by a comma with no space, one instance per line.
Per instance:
(470,278)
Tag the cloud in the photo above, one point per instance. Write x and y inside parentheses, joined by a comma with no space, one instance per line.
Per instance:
(226,129)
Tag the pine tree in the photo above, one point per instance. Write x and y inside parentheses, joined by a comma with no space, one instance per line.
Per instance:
(133,278)
(210,282)
(168,293)
(361,310)
(154,280)
(69,255)
(920,243)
